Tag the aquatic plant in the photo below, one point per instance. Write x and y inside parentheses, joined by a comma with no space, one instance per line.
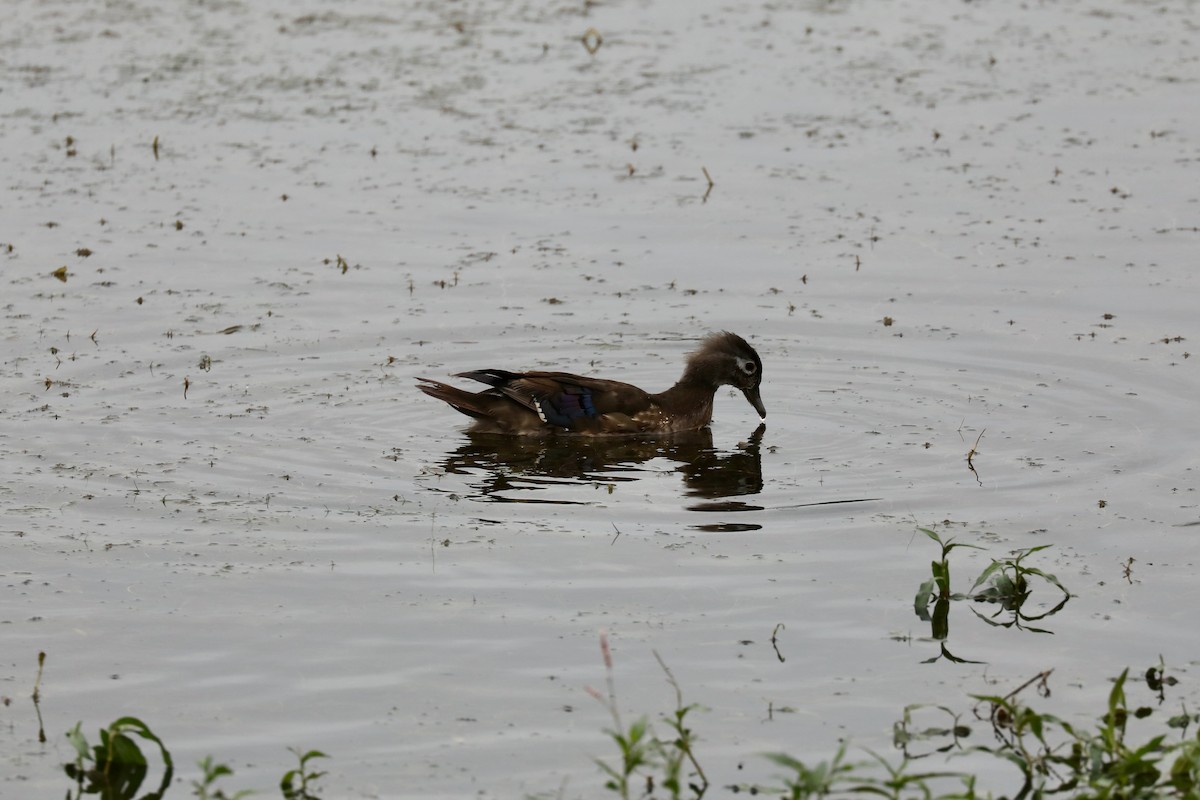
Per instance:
(836,778)
(212,772)
(1006,582)
(646,759)
(116,767)
(936,590)
(1053,757)
(295,782)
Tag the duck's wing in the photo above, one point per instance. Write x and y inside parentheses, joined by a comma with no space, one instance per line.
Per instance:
(567,401)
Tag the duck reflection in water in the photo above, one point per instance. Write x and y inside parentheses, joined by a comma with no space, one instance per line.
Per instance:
(519,464)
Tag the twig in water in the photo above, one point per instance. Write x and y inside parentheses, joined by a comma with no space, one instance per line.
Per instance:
(778,627)
(971,455)
(432,540)
(37,696)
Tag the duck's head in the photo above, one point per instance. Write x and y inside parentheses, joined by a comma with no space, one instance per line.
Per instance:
(728,360)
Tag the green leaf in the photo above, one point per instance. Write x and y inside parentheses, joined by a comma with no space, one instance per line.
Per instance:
(983,576)
(310,755)
(1047,577)
(922,600)
(931,534)
(941,574)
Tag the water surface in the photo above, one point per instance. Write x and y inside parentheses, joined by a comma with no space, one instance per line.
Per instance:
(226,510)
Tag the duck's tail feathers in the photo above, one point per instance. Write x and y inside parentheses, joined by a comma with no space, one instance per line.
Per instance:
(492,377)
(469,403)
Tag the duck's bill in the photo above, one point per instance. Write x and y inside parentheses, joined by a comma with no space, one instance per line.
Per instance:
(753,399)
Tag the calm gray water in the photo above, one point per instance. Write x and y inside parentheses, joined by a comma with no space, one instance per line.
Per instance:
(225,510)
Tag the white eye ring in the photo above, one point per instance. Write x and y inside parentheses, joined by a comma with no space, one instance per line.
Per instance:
(746,365)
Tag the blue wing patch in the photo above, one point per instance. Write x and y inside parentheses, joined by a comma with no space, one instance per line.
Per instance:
(564,408)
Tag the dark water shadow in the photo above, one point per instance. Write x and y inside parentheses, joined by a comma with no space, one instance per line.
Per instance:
(506,469)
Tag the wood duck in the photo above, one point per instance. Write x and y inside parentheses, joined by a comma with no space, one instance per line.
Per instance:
(550,403)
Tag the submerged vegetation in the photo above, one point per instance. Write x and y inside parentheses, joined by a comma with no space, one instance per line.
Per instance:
(116,768)
(1051,756)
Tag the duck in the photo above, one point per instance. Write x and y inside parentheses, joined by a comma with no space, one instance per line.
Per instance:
(556,403)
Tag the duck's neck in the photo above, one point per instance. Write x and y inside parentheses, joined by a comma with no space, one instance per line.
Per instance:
(690,401)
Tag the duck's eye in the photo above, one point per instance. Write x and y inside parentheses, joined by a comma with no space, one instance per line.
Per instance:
(747,366)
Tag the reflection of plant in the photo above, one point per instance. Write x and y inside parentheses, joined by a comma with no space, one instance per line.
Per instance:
(905,734)
(643,754)
(116,767)
(1157,678)
(1004,581)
